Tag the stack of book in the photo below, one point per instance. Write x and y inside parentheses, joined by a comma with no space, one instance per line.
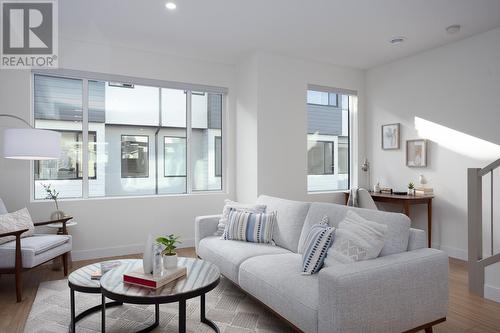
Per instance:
(423,191)
(139,278)
(105,267)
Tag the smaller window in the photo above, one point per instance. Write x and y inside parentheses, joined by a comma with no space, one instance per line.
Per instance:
(218,156)
(135,156)
(320,157)
(175,156)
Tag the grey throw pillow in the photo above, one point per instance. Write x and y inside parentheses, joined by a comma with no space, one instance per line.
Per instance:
(356,239)
(16,221)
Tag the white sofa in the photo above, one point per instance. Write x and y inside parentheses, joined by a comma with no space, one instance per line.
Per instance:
(405,288)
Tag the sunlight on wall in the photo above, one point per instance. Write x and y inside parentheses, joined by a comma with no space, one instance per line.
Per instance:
(456,141)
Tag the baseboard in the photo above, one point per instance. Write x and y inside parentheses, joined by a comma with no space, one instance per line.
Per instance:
(492,293)
(117,251)
(452,251)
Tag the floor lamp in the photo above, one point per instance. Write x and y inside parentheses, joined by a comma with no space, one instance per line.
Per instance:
(30,143)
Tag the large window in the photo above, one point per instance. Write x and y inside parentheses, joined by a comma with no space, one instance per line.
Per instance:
(328,139)
(129,138)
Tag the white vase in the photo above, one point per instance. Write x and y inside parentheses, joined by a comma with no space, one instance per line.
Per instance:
(170,262)
(147,258)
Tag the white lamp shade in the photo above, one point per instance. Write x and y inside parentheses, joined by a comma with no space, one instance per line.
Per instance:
(31,144)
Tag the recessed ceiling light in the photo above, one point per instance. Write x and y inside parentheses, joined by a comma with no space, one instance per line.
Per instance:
(453,29)
(170,5)
(397,40)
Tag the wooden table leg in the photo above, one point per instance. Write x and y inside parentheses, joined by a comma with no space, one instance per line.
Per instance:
(429,222)
(407,208)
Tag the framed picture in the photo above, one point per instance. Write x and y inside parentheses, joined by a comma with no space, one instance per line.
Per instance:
(390,136)
(416,153)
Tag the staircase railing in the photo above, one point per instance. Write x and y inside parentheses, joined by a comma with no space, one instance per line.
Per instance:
(477,262)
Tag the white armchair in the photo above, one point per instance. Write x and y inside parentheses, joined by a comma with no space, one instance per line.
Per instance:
(25,253)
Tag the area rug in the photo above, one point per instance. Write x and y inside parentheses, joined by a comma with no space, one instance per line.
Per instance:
(231,309)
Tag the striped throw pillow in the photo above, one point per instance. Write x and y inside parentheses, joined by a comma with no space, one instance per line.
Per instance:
(249,227)
(318,241)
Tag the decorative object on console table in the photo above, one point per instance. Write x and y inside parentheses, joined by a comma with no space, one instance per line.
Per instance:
(169,255)
(376,188)
(416,153)
(411,188)
(385,190)
(423,191)
(390,136)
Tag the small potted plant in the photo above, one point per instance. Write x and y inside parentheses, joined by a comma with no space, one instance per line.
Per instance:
(52,194)
(169,254)
(411,188)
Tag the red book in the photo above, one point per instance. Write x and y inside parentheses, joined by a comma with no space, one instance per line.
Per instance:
(139,278)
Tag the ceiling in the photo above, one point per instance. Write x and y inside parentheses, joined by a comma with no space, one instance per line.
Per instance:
(353,33)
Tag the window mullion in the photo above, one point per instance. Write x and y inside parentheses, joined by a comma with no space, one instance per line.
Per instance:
(85,141)
(189,169)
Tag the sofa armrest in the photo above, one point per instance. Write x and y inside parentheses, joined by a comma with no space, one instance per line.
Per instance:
(205,226)
(417,240)
(394,293)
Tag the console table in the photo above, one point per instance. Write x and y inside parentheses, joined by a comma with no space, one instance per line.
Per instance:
(406,201)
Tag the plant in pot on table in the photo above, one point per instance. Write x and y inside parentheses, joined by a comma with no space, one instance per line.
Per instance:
(411,188)
(169,254)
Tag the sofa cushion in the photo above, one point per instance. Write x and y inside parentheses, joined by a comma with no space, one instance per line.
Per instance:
(276,281)
(233,205)
(318,242)
(229,254)
(250,227)
(356,239)
(35,249)
(398,225)
(290,217)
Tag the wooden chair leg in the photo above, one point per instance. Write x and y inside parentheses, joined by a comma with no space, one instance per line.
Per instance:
(19,270)
(428,330)
(65,263)
(19,285)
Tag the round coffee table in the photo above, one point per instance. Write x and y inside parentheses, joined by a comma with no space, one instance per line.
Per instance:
(80,280)
(201,277)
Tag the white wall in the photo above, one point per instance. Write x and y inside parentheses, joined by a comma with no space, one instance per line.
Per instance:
(456,86)
(276,115)
(116,226)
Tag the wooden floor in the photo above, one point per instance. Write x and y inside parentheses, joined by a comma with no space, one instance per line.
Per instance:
(467,313)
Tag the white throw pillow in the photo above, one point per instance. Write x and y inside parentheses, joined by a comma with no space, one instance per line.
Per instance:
(16,221)
(356,239)
(233,205)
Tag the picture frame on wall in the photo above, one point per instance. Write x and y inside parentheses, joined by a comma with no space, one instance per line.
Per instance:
(391,136)
(416,153)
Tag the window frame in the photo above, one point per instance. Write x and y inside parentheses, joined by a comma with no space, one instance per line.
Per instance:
(217,137)
(77,163)
(86,77)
